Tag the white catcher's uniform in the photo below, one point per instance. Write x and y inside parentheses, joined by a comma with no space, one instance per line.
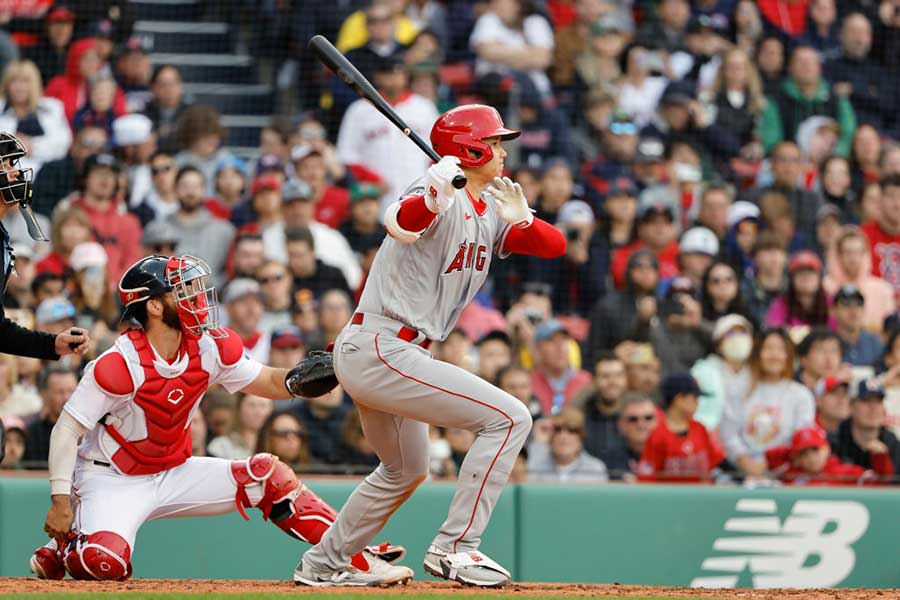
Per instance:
(112,491)
(415,292)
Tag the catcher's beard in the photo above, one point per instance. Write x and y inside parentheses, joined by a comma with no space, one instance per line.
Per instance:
(170,315)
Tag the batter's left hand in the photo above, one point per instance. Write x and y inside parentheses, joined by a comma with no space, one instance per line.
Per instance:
(510,201)
(74,341)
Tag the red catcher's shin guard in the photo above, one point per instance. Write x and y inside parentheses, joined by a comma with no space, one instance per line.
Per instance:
(101,555)
(290,505)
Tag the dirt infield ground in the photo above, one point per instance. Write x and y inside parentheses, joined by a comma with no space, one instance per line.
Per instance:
(11,587)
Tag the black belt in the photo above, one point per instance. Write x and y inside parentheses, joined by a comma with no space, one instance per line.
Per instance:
(100,463)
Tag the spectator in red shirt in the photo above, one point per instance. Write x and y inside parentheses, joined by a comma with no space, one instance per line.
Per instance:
(657,231)
(680,448)
(809,461)
(82,63)
(884,234)
(554,381)
(119,232)
(332,202)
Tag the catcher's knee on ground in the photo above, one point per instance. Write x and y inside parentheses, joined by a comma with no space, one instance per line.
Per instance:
(102,555)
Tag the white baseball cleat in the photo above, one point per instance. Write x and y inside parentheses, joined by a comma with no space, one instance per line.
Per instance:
(468,568)
(380,574)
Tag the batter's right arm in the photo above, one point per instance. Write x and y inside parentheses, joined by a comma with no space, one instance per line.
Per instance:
(407,219)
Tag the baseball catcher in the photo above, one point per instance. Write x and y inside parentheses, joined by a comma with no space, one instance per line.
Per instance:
(132,412)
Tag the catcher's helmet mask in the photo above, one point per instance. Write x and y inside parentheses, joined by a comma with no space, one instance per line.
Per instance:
(15,182)
(186,278)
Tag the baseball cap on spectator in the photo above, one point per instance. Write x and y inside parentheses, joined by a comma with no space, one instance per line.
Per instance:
(288,336)
(364,191)
(729,323)
(621,186)
(134,44)
(699,240)
(60,13)
(241,287)
(547,329)
(828,384)
(301,151)
(806,438)
(650,207)
(102,28)
(22,250)
(869,389)
(622,123)
(54,309)
(678,92)
(131,130)
(158,233)
(849,292)
(386,64)
(99,161)
(650,150)
(805,259)
(295,189)
(86,255)
(699,23)
(575,212)
(678,383)
(741,211)
(265,182)
(232,162)
(643,256)
(828,210)
(268,162)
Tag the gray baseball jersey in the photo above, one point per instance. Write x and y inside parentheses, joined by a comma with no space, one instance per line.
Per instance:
(399,388)
(457,245)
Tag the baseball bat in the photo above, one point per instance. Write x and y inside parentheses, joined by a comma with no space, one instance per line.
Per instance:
(343,68)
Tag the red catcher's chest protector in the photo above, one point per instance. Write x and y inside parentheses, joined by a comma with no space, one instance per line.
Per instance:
(167,405)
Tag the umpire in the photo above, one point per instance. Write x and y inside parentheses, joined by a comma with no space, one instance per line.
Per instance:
(15,188)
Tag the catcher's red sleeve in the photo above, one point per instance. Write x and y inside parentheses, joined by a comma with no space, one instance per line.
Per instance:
(414,215)
(539,239)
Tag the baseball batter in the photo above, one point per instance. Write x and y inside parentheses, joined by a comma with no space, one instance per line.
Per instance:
(133,410)
(435,260)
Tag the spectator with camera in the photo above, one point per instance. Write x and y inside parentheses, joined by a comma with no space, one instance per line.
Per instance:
(679,335)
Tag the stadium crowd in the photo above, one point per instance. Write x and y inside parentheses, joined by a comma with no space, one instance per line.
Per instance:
(726,173)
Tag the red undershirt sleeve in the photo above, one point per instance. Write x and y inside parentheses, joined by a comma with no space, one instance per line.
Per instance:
(414,215)
(539,239)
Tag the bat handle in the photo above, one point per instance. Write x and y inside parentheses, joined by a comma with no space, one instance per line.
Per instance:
(459,182)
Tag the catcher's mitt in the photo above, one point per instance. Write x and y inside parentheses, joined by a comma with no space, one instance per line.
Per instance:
(313,376)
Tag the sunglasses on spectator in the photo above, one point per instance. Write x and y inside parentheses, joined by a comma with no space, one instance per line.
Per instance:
(270,279)
(162,168)
(284,433)
(850,302)
(568,428)
(638,418)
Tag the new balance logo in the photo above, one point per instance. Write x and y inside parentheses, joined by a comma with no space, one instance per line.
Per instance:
(812,548)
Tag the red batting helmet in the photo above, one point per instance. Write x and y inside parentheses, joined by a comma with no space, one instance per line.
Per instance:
(463,128)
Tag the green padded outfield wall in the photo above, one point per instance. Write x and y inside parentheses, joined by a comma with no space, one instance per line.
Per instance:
(667,535)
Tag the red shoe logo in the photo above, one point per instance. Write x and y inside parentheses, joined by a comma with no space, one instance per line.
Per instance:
(468,216)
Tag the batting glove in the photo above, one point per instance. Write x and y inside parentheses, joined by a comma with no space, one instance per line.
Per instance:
(511,203)
(439,191)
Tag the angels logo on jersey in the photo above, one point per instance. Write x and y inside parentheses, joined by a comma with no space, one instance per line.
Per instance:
(467,256)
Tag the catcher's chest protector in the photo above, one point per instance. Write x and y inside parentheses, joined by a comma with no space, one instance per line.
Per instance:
(167,405)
